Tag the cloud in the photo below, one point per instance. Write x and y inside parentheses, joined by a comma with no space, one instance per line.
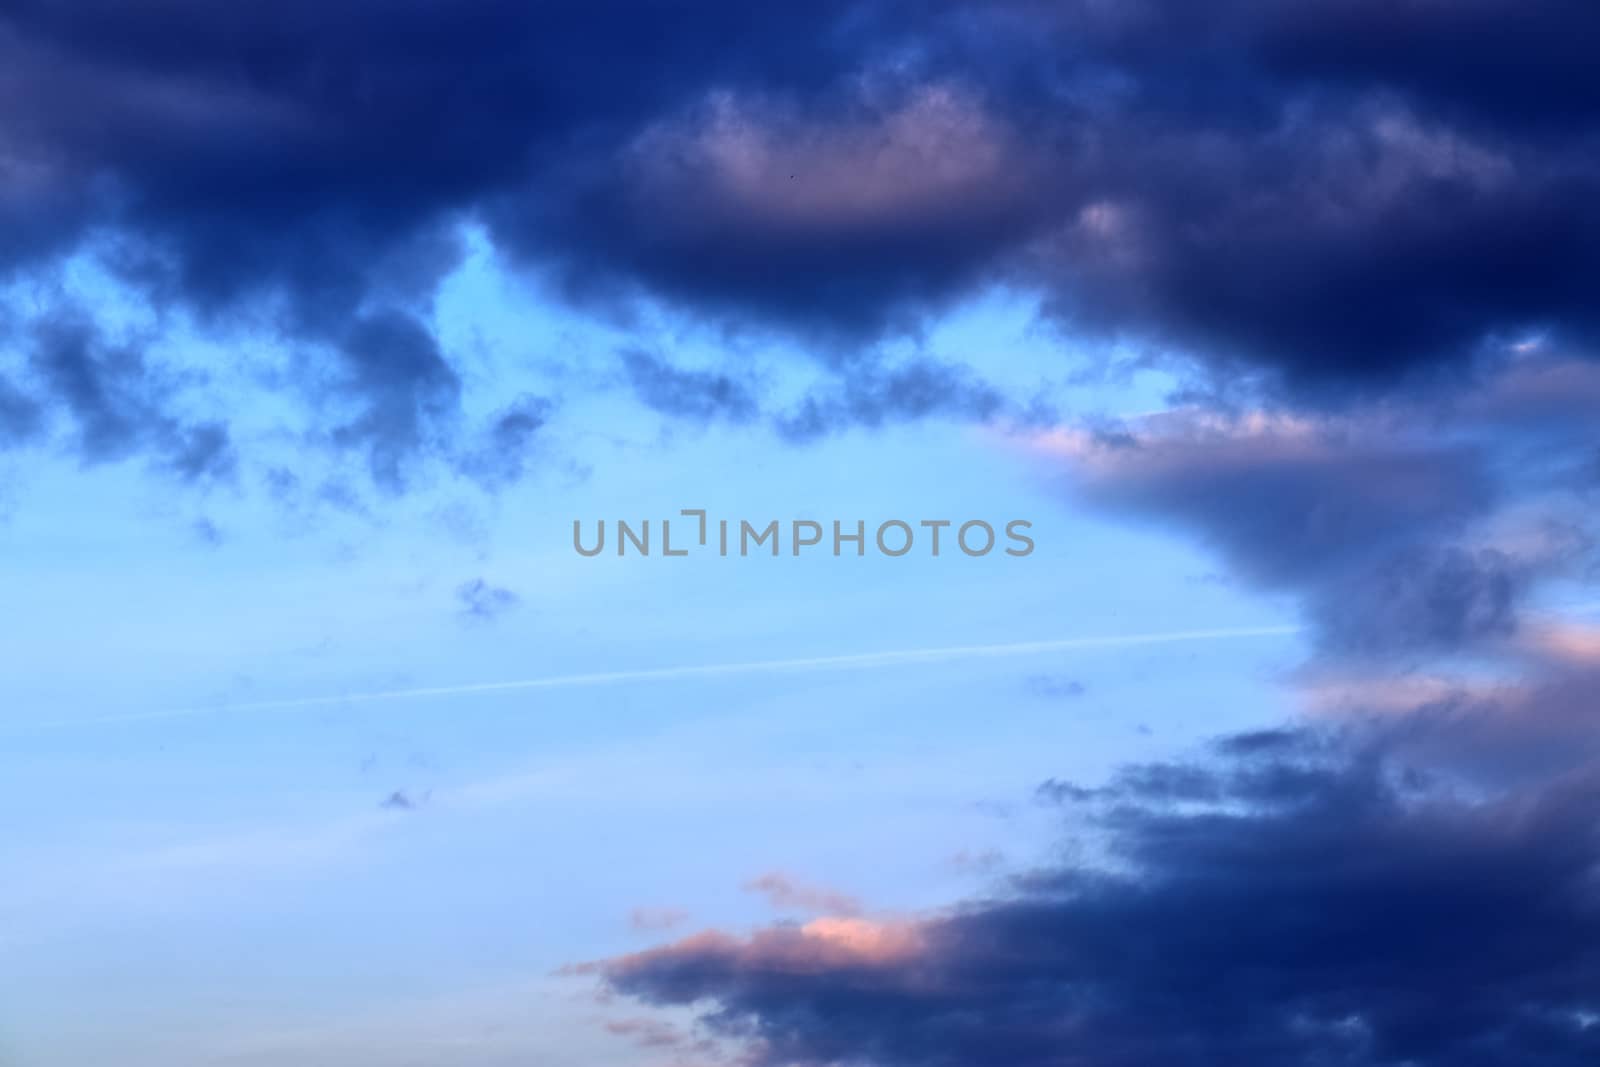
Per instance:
(1370,528)
(659,1035)
(814,948)
(1424,597)
(697,395)
(1280,493)
(835,215)
(305,175)
(1343,197)
(405,387)
(1295,898)
(21,416)
(654,920)
(508,446)
(868,395)
(206,532)
(117,404)
(1421,525)
(1564,642)
(1055,687)
(483,602)
(1490,733)
(400,800)
(875,395)
(321,159)
(786,894)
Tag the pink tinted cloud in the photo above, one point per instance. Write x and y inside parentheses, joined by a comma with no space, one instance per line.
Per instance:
(817,947)
(786,894)
(886,164)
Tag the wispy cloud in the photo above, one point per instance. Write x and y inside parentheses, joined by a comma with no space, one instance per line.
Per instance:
(786,894)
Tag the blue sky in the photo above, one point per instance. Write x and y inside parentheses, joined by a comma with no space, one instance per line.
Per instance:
(175,847)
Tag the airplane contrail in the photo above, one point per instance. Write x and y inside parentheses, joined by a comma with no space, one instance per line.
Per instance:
(713,670)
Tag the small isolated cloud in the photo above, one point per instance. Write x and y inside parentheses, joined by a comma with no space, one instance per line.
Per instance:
(1055,687)
(403,800)
(206,532)
(655,920)
(481,602)
(786,894)
(507,447)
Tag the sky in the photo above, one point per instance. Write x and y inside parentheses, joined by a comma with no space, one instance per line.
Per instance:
(324,326)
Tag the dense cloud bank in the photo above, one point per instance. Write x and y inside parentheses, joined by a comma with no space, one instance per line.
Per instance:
(1295,897)
(1336,193)
(1335,188)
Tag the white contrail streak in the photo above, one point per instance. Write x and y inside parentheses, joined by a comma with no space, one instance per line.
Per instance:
(712,670)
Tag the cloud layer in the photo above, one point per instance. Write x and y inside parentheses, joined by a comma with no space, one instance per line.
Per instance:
(1343,189)
(1296,898)
(1338,194)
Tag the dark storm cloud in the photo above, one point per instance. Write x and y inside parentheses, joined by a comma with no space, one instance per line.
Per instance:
(1298,899)
(1338,191)
(1487,61)
(314,150)
(1214,181)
